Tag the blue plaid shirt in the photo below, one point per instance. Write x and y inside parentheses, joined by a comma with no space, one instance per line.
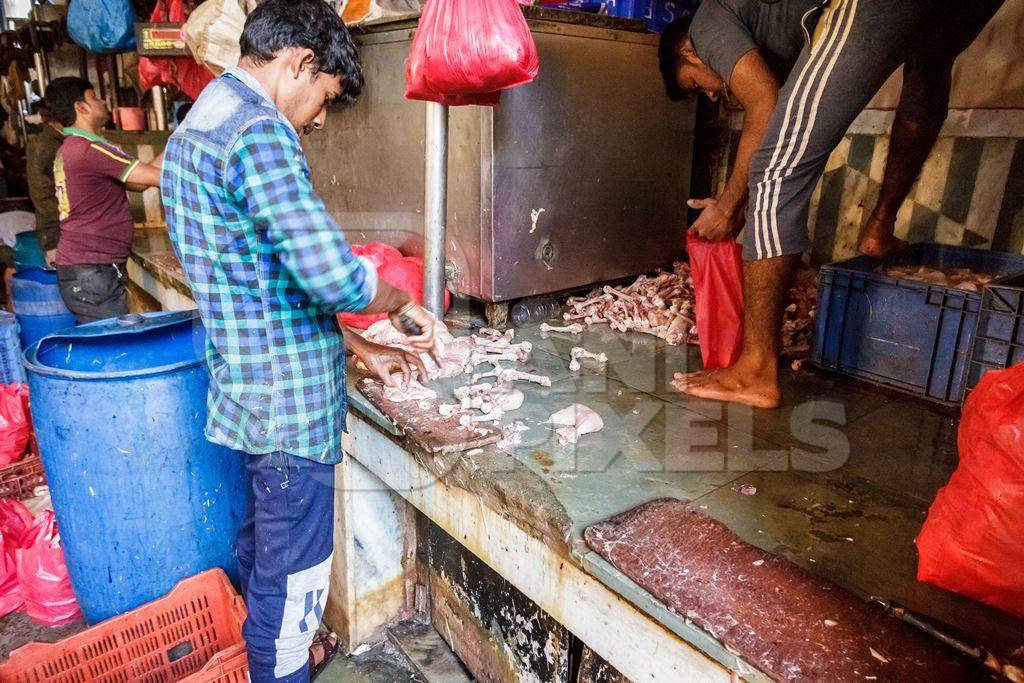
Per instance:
(268,269)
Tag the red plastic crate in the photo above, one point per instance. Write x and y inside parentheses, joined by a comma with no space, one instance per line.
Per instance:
(193,633)
(229,666)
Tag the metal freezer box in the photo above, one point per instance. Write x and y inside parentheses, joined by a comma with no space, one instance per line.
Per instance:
(593,141)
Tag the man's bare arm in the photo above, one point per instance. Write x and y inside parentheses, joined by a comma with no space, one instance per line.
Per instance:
(145,175)
(755,87)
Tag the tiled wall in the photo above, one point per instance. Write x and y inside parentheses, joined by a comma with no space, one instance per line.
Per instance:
(970,191)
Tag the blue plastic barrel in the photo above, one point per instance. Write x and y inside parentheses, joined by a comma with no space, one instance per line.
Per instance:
(38,305)
(11,370)
(142,499)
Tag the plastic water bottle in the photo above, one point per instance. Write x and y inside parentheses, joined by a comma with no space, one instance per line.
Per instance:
(535,309)
(11,370)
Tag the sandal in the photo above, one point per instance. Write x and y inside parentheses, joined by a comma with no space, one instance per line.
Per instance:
(329,644)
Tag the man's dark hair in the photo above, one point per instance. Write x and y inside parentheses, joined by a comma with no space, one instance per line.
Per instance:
(670,55)
(61,96)
(277,25)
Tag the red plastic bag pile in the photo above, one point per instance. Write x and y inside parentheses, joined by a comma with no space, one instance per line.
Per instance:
(717,270)
(15,423)
(468,51)
(33,573)
(403,272)
(973,539)
(184,72)
(15,520)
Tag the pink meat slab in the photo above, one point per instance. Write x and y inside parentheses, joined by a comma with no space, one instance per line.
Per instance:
(776,616)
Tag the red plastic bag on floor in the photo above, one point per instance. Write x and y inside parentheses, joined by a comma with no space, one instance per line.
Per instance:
(10,591)
(43,575)
(184,72)
(973,539)
(15,520)
(15,424)
(717,270)
(466,50)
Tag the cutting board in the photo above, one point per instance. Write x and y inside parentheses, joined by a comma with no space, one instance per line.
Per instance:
(423,426)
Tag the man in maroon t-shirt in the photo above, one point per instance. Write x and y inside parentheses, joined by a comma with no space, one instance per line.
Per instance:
(96,226)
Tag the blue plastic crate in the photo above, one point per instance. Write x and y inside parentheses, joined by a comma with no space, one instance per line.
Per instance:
(999,340)
(657,13)
(912,336)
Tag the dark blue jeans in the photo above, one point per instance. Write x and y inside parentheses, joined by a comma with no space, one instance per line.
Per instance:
(285,548)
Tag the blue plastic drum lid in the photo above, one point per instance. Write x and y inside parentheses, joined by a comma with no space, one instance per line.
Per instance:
(142,499)
(128,346)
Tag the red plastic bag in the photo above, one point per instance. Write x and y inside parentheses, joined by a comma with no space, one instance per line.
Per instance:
(15,520)
(10,591)
(717,270)
(465,51)
(971,542)
(184,72)
(405,273)
(43,575)
(377,253)
(15,424)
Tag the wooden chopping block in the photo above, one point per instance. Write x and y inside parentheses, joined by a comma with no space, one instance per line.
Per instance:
(424,427)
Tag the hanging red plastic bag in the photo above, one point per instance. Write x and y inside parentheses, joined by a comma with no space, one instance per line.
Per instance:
(971,541)
(15,424)
(184,72)
(717,270)
(464,51)
(43,575)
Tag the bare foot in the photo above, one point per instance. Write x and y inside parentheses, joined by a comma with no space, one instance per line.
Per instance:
(738,384)
(878,239)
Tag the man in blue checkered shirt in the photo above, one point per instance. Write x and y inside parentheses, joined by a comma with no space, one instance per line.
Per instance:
(269,269)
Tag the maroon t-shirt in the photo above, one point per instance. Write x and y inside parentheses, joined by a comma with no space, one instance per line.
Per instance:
(96,225)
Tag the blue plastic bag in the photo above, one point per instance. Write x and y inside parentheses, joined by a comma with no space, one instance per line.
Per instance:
(102,25)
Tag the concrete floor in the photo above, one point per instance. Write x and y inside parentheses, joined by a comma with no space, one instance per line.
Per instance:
(843,473)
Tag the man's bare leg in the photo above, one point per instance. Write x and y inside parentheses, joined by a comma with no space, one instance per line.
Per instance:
(754,379)
(909,146)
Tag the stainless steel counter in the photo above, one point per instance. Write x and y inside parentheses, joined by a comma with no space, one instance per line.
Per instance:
(592,141)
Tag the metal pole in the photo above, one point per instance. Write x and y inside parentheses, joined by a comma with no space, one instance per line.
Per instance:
(159,107)
(41,72)
(435,205)
(115,96)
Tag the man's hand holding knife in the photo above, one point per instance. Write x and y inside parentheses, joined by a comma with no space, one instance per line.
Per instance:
(409,318)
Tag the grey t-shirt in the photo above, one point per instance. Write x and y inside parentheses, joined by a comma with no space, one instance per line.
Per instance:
(722,31)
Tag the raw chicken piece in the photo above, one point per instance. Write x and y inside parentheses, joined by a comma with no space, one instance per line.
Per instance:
(511,436)
(661,305)
(957,278)
(508,399)
(798,317)
(414,391)
(456,357)
(574,421)
(453,360)
(578,353)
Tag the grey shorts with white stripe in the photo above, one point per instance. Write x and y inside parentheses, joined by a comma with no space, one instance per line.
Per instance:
(858,45)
